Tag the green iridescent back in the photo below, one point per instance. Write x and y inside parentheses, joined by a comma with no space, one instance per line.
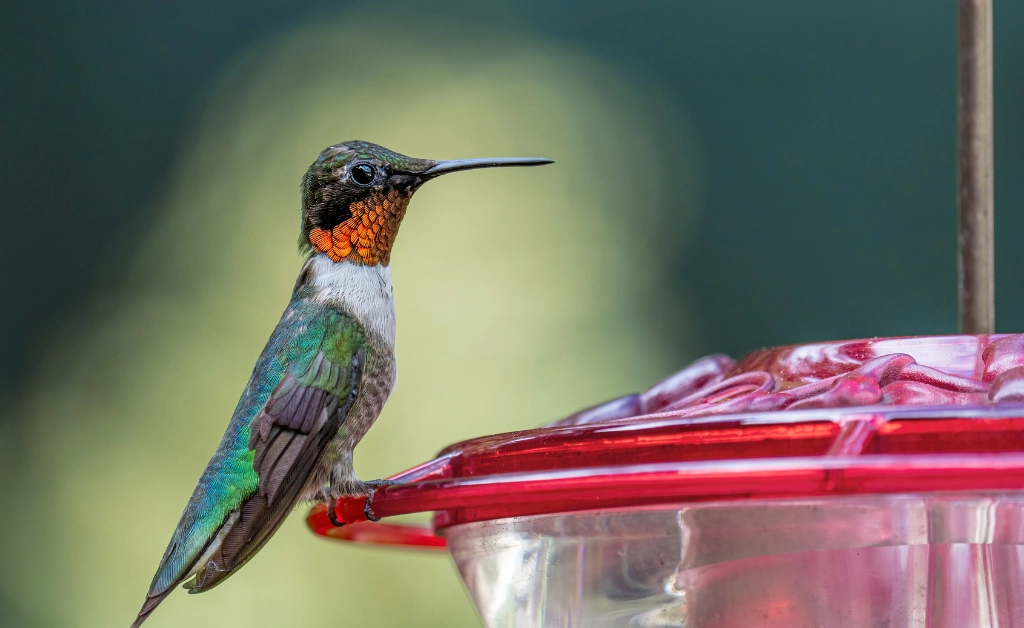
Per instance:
(306,330)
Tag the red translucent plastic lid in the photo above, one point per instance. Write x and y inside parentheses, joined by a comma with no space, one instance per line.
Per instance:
(892,415)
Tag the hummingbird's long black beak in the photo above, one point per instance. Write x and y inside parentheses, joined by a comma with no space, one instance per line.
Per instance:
(454,165)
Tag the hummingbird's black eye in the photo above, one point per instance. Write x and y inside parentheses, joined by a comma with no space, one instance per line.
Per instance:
(363,174)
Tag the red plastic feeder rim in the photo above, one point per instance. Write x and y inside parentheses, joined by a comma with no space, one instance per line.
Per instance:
(895,415)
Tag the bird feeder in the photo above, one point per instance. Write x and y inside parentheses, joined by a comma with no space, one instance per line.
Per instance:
(875,482)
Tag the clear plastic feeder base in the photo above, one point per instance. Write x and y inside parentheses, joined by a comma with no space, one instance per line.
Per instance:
(858,561)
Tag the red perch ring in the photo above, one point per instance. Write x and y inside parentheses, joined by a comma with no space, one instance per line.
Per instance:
(885,415)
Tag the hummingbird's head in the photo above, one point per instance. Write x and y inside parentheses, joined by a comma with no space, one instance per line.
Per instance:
(355,194)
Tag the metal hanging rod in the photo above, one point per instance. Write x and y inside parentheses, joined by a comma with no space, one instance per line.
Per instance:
(975,183)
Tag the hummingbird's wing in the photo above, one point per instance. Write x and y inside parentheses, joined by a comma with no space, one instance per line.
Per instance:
(301,389)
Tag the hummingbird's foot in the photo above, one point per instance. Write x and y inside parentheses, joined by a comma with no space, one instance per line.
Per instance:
(332,515)
(366,509)
(371,486)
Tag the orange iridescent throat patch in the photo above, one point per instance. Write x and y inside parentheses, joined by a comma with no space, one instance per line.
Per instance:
(368,234)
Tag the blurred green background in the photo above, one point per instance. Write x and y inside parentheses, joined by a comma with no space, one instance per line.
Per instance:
(729,175)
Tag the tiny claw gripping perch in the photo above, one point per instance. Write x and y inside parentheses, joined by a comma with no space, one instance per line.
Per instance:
(367,510)
(343,511)
(372,487)
(332,514)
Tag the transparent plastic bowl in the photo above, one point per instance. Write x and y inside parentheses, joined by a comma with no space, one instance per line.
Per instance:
(886,560)
(862,483)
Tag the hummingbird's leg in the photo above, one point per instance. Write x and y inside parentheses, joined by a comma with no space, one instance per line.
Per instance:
(371,486)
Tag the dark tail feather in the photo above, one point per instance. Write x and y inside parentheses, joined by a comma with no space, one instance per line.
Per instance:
(151,603)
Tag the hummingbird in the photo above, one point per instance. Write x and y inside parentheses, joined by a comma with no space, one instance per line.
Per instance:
(323,377)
